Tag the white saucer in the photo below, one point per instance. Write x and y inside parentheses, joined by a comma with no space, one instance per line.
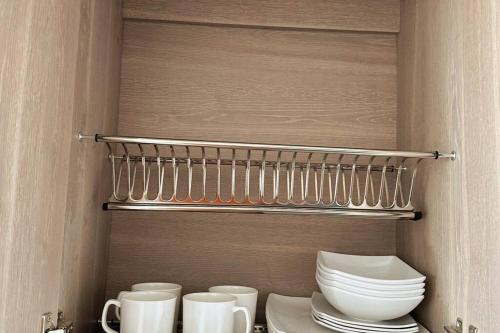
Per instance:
(349,328)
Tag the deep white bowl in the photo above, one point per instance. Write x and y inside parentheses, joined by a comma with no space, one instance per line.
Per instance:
(367,285)
(369,307)
(320,306)
(373,269)
(370,292)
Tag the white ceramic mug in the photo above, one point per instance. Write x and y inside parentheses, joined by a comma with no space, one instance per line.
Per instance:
(172,288)
(246,297)
(143,312)
(211,313)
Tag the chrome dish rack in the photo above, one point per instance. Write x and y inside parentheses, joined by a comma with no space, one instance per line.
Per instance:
(217,176)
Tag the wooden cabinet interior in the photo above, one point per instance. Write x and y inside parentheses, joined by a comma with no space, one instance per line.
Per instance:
(335,73)
(249,84)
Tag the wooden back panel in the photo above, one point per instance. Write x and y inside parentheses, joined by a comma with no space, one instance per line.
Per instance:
(278,86)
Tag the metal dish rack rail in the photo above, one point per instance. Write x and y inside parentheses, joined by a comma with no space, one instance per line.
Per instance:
(218,176)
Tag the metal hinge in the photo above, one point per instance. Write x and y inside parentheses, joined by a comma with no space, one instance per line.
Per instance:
(473,329)
(459,327)
(48,325)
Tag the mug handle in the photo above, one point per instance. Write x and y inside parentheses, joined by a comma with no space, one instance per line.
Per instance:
(247,317)
(104,317)
(117,309)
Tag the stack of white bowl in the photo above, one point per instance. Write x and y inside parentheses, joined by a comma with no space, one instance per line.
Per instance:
(373,288)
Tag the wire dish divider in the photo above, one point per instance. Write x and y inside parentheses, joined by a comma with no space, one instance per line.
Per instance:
(187,175)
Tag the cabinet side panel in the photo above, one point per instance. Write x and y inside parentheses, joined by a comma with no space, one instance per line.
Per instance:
(39,42)
(96,111)
(449,99)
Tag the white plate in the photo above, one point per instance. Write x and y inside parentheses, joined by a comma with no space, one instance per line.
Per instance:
(343,329)
(367,285)
(328,321)
(369,307)
(347,329)
(369,292)
(291,315)
(373,269)
(321,306)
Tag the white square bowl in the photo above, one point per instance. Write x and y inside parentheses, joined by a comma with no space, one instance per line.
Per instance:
(362,284)
(370,292)
(321,307)
(369,307)
(372,269)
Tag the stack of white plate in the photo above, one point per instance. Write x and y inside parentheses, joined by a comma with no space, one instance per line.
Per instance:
(286,314)
(373,288)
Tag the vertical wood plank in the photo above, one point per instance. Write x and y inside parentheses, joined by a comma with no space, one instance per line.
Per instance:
(449,99)
(96,108)
(59,72)
(37,73)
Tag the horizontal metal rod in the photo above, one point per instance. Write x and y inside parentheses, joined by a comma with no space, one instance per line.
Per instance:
(271,147)
(257,163)
(376,214)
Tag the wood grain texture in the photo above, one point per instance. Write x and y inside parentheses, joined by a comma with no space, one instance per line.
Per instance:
(359,15)
(449,99)
(273,253)
(95,110)
(59,74)
(37,73)
(222,83)
(258,85)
